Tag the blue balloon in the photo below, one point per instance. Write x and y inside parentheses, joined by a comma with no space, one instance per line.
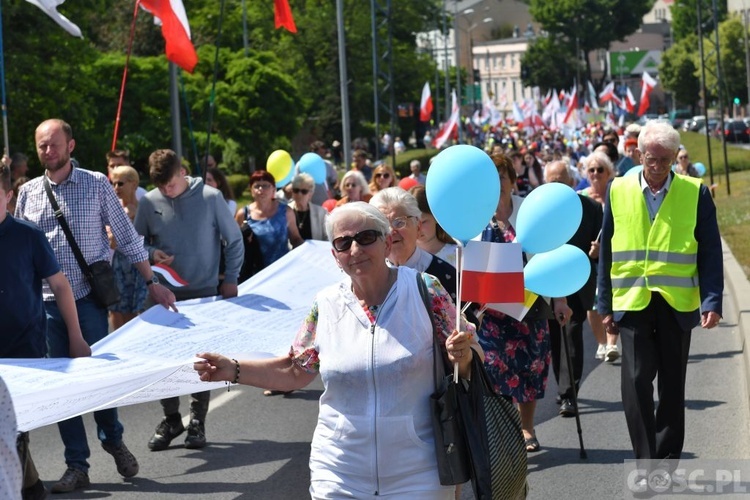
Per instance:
(635,170)
(313,164)
(463,189)
(286,180)
(548,217)
(558,273)
(700,168)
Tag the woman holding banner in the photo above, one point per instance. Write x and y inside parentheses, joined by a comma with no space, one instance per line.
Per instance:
(371,339)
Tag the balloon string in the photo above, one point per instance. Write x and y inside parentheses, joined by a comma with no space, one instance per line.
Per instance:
(459,281)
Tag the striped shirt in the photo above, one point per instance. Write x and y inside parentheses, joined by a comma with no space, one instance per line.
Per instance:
(88,203)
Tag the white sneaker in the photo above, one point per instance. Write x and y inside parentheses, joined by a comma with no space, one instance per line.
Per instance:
(611,354)
(601,351)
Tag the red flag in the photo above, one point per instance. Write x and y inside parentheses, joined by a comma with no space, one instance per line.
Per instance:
(492,272)
(425,105)
(647,85)
(572,104)
(282,16)
(450,128)
(175,30)
(629,101)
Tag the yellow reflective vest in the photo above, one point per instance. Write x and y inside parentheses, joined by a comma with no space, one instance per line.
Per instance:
(659,257)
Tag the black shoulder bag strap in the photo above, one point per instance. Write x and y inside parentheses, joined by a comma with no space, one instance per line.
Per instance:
(66,229)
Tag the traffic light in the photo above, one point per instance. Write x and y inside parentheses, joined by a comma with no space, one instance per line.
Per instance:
(477,76)
(736,101)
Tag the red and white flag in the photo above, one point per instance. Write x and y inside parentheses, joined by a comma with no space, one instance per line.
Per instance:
(175,30)
(425,104)
(169,275)
(572,104)
(608,94)
(450,127)
(492,272)
(647,86)
(49,7)
(282,16)
(592,96)
(629,102)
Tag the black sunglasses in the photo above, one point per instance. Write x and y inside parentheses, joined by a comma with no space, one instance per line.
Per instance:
(300,190)
(118,184)
(385,175)
(598,170)
(363,238)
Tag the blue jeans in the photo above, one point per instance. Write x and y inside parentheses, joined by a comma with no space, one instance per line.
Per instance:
(93,321)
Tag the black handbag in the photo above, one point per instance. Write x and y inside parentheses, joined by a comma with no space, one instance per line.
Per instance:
(450,447)
(492,427)
(100,274)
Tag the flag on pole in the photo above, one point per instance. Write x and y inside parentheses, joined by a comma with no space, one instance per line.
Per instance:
(49,7)
(175,30)
(425,105)
(647,86)
(492,272)
(450,126)
(592,96)
(629,101)
(282,16)
(572,104)
(516,310)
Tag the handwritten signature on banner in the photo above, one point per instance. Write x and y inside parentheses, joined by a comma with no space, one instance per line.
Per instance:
(151,357)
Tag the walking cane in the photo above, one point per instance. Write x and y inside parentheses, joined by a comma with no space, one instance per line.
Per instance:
(566,346)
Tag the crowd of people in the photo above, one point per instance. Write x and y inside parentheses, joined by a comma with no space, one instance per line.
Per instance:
(398,291)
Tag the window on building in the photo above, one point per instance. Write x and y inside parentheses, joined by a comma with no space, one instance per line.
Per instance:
(502,61)
(515,96)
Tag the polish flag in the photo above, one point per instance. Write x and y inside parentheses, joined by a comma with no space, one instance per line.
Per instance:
(282,16)
(425,105)
(176,31)
(647,86)
(572,104)
(169,275)
(608,92)
(629,102)
(450,127)
(49,7)
(492,272)
(592,96)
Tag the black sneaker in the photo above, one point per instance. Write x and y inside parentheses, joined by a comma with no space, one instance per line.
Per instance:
(36,491)
(196,435)
(567,409)
(71,480)
(168,429)
(126,463)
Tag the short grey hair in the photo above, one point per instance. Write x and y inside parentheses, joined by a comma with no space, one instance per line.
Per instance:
(359,178)
(304,180)
(600,158)
(659,132)
(393,197)
(360,210)
(415,163)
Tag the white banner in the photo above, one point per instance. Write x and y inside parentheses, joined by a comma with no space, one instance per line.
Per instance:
(151,357)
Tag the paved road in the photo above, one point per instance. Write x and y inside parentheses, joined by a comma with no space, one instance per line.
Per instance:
(259,445)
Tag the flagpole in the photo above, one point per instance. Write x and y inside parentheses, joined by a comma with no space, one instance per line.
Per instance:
(6,148)
(124,78)
(212,98)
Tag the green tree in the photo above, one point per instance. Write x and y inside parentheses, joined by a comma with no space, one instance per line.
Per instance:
(678,72)
(685,17)
(590,24)
(550,64)
(732,51)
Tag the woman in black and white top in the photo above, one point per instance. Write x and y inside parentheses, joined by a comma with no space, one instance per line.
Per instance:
(310,218)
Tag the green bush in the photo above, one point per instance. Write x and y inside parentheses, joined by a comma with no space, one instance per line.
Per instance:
(402,160)
(238,184)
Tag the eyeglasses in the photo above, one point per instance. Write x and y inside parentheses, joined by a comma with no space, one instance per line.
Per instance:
(363,238)
(598,170)
(300,190)
(651,161)
(384,175)
(118,184)
(261,185)
(400,222)
(351,185)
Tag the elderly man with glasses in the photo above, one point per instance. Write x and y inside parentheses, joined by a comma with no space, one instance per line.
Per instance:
(660,275)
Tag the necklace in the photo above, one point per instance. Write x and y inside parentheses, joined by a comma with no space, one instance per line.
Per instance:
(301,218)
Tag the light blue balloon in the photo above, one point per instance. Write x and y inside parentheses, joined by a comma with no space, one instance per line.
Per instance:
(700,168)
(548,217)
(635,170)
(313,164)
(558,273)
(463,189)
(286,180)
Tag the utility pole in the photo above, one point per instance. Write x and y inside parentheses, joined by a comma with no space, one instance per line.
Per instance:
(747,59)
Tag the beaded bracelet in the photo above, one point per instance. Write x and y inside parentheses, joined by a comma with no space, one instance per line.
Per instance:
(236,374)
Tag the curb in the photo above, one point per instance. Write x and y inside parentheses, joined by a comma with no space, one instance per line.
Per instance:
(739,291)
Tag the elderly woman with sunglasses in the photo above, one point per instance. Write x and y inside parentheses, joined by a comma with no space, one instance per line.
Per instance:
(371,340)
(382,177)
(403,212)
(684,166)
(311,218)
(354,188)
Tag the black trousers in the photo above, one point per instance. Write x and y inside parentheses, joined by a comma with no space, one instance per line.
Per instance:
(653,343)
(575,341)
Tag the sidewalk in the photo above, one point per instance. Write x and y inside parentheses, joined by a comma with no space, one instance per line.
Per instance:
(717,412)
